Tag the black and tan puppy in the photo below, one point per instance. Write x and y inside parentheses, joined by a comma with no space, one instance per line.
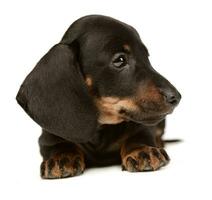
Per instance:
(98,100)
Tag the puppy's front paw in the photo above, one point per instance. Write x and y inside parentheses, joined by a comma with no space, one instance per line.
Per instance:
(62,165)
(146,158)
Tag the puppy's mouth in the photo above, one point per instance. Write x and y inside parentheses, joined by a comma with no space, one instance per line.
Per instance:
(145,120)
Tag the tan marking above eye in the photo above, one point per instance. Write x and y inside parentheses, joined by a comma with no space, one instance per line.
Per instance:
(88,81)
(126,47)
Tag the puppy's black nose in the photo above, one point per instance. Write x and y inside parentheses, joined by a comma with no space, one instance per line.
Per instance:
(171,95)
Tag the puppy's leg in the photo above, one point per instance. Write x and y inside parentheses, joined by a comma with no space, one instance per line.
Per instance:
(60,158)
(159,131)
(141,153)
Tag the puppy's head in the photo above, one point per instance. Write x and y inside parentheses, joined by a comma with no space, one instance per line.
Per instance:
(118,73)
(98,73)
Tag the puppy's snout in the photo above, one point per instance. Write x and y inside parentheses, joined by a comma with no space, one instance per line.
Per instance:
(171,96)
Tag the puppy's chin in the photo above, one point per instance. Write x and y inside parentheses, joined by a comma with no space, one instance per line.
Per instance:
(151,122)
(116,119)
(145,120)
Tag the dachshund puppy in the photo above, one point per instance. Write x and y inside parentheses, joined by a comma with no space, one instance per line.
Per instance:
(98,101)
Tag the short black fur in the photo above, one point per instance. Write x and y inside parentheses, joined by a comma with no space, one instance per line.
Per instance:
(85,104)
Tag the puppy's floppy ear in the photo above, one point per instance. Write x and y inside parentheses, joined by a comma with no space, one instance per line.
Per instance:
(55,96)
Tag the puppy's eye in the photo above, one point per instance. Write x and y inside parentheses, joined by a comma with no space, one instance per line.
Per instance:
(120,61)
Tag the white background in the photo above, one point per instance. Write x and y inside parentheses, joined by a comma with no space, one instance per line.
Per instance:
(178,35)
